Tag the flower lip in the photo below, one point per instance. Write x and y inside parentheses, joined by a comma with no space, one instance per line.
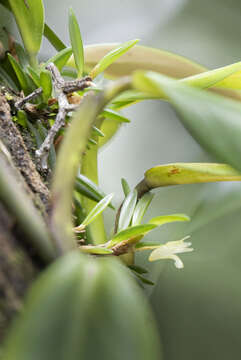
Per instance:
(169,251)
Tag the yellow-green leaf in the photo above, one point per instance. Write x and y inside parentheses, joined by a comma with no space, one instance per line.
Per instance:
(76,42)
(189,173)
(30,20)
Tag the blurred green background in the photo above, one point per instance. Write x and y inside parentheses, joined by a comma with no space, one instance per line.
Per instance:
(198,309)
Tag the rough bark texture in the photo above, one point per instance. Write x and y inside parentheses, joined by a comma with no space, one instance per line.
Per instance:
(18,263)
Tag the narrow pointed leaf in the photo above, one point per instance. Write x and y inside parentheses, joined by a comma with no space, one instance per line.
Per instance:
(53,38)
(61,58)
(141,208)
(30,21)
(127,210)
(138,269)
(111,114)
(76,43)
(89,189)
(111,57)
(125,187)
(164,219)
(144,280)
(98,209)
(189,173)
(98,131)
(131,232)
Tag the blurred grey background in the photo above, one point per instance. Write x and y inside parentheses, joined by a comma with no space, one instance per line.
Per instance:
(198,309)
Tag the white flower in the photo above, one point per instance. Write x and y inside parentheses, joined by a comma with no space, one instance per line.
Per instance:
(168,251)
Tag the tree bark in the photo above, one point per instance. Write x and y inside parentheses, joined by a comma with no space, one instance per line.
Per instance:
(19,262)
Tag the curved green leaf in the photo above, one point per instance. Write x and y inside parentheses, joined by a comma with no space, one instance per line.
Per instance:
(79,293)
(151,83)
(127,210)
(125,187)
(189,173)
(76,43)
(111,114)
(30,19)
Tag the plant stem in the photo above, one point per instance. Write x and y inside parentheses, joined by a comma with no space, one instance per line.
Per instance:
(33,61)
(70,158)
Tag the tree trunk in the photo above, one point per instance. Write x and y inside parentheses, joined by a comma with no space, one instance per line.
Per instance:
(19,262)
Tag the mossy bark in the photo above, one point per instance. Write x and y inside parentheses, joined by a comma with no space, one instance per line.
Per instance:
(19,262)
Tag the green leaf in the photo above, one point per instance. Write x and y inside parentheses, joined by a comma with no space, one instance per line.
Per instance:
(164,219)
(61,58)
(78,293)
(30,20)
(21,54)
(89,249)
(189,173)
(125,187)
(46,84)
(97,131)
(34,75)
(141,208)
(127,210)
(231,82)
(138,269)
(97,210)
(144,280)
(4,76)
(22,118)
(131,233)
(89,189)
(76,43)
(111,57)
(111,114)
(22,77)
(53,38)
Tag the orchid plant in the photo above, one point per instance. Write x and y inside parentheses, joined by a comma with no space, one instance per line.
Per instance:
(71,105)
